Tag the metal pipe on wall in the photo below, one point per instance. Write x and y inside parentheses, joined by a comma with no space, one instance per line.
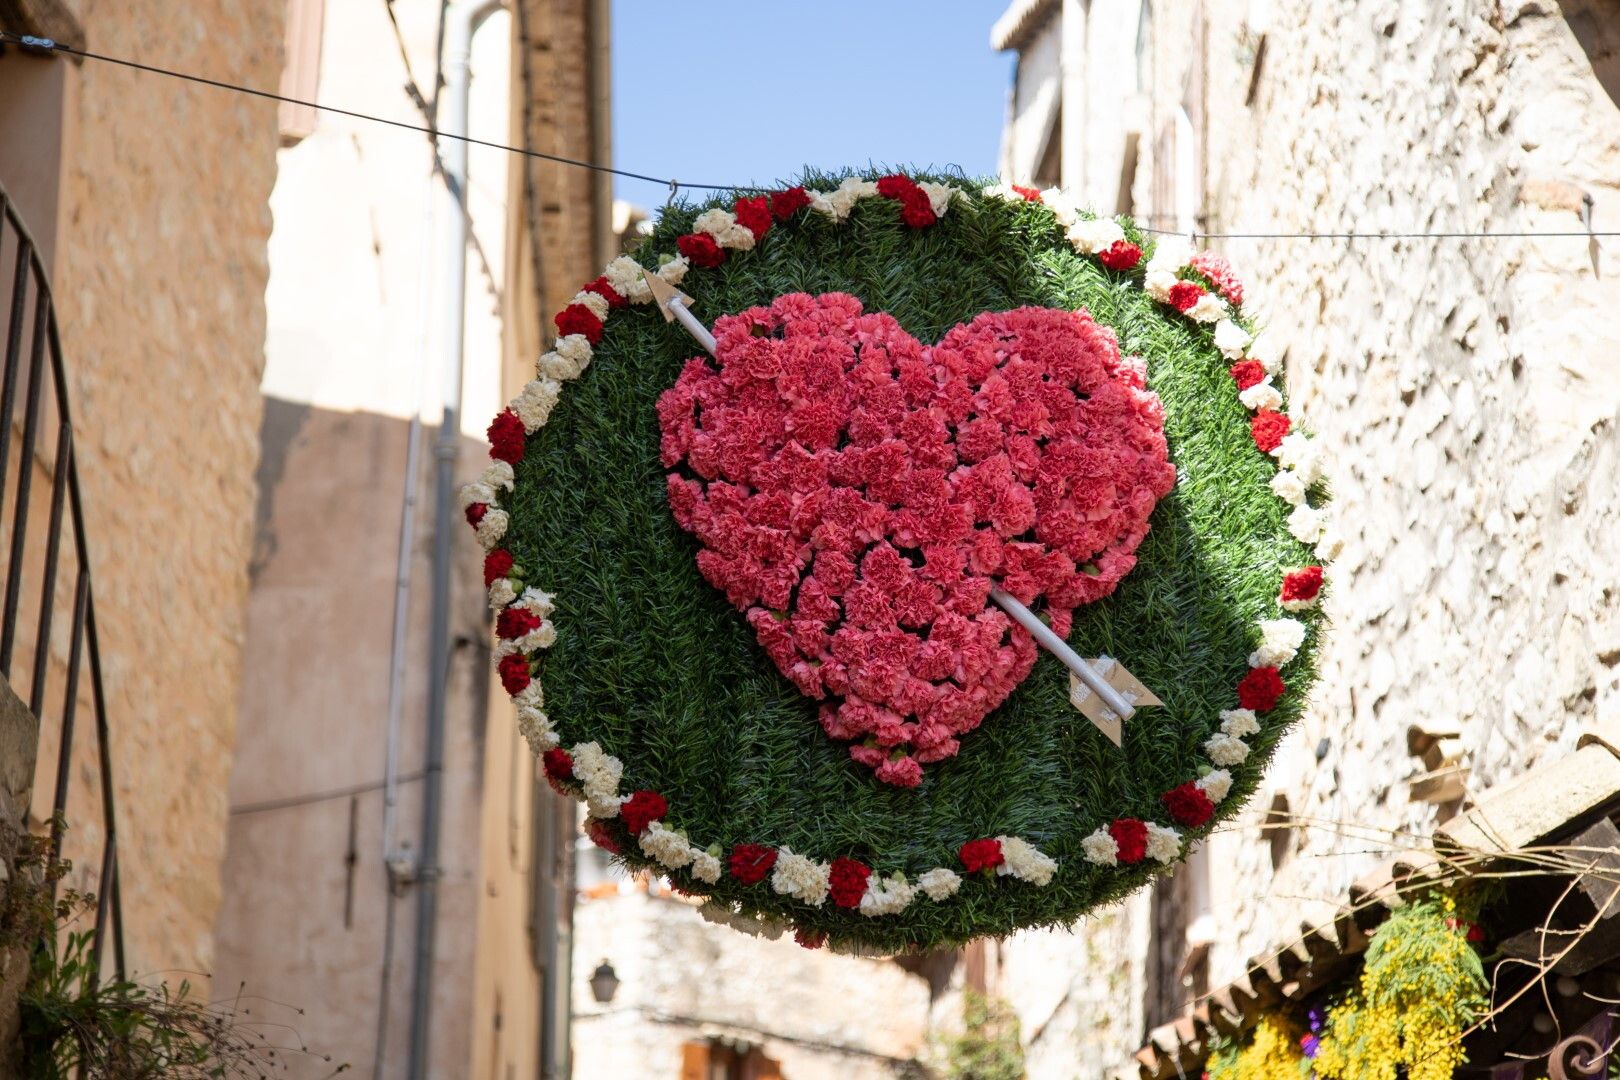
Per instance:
(462,21)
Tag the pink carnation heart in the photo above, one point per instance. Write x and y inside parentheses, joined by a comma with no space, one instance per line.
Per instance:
(857,495)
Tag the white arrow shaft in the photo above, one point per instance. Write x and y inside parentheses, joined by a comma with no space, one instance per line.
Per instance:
(684,316)
(1059,648)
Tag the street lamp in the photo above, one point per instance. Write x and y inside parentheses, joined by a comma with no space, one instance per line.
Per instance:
(604,983)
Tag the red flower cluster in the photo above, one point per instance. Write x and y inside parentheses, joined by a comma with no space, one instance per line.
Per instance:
(1130,838)
(515,622)
(1120,255)
(915,208)
(786,203)
(578,319)
(1302,584)
(497,564)
(847,882)
(1268,428)
(515,674)
(1220,272)
(506,436)
(754,214)
(607,292)
(857,495)
(1185,294)
(1188,805)
(475,513)
(601,835)
(809,939)
(1028,194)
(700,250)
(979,855)
(642,809)
(559,766)
(1247,373)
(751,862)
(1260,689)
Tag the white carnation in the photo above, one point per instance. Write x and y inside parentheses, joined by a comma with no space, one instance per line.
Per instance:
(625,278)
(533,406)
(1063,207)
(674,271)
(722,225)
(799,877)
(1158,283)
(1330,545)
(1262,395)
(1023,861)
(501,593)
(575,347)
(1162,844)
(1298,451)
(543,636)
(1003,191)
(1100,848)
(538,601)
(535,727)
(1288,487)
(498,476)
(558,368)
(939,196)
(668,847)
(1223,749)
(491,527)
(1097,234)
(599,774)
(1170,254)
(596,302)
(1209,308)
(940,883)
(888,896)
(1231,339)
(706,866)
(1264,349)
(530,697)
(1239,723)
(1307,523)
(1216,785)
(476,492)
(1280,640)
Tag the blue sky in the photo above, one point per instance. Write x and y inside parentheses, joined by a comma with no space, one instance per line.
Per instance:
(730,92)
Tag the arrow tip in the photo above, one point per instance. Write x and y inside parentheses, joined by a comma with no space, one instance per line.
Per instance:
(664,293)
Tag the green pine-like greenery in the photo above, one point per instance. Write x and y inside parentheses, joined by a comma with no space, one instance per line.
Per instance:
(653,663)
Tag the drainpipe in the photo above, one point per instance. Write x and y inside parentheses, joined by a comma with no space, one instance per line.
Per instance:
(461,23)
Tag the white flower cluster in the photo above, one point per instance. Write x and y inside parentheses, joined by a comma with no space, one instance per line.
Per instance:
(598,774)
(940,883)
(838,203)
(1226,746)
(1020,859)
(888,896)
(1089,236)
(1280,640)
(722,225)
(799,877)
(543,636)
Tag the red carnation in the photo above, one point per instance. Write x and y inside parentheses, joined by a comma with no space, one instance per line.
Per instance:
(1260,689)
(754,214)
(578,319)
(1247,373)
(1130,838)
(1217,269)
(700,250)
(514,622)
(1303,584)
(1120,255)
(809,939)
(607,292)
(559,766)
(1268,428)
(1028,194)
(916,209)
(784,204)
(514,669)
(642,809)
(475,513)
(979,855)
(497,564)
(847,881)
(895,186)
(1184,294)
(601,835)
(506,437)
(751,862)
(1189,805)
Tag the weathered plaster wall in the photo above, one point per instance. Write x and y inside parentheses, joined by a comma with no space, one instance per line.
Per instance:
(159,277)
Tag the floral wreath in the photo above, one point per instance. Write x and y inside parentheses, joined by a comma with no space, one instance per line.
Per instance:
(766,888)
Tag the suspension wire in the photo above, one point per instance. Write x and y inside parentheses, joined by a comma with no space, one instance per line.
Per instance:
(48,45)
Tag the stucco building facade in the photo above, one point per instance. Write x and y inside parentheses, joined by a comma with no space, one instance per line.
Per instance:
(1466,388)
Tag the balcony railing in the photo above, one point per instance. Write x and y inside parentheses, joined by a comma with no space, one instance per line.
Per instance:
(34,558)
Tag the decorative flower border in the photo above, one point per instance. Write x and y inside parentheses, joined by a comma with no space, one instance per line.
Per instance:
(1199,285)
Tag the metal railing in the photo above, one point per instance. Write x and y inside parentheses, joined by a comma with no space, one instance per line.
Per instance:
(29,307)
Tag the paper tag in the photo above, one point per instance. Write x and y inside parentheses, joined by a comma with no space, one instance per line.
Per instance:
(1091,706)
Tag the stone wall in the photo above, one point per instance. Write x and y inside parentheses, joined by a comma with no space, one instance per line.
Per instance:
(1466,389)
